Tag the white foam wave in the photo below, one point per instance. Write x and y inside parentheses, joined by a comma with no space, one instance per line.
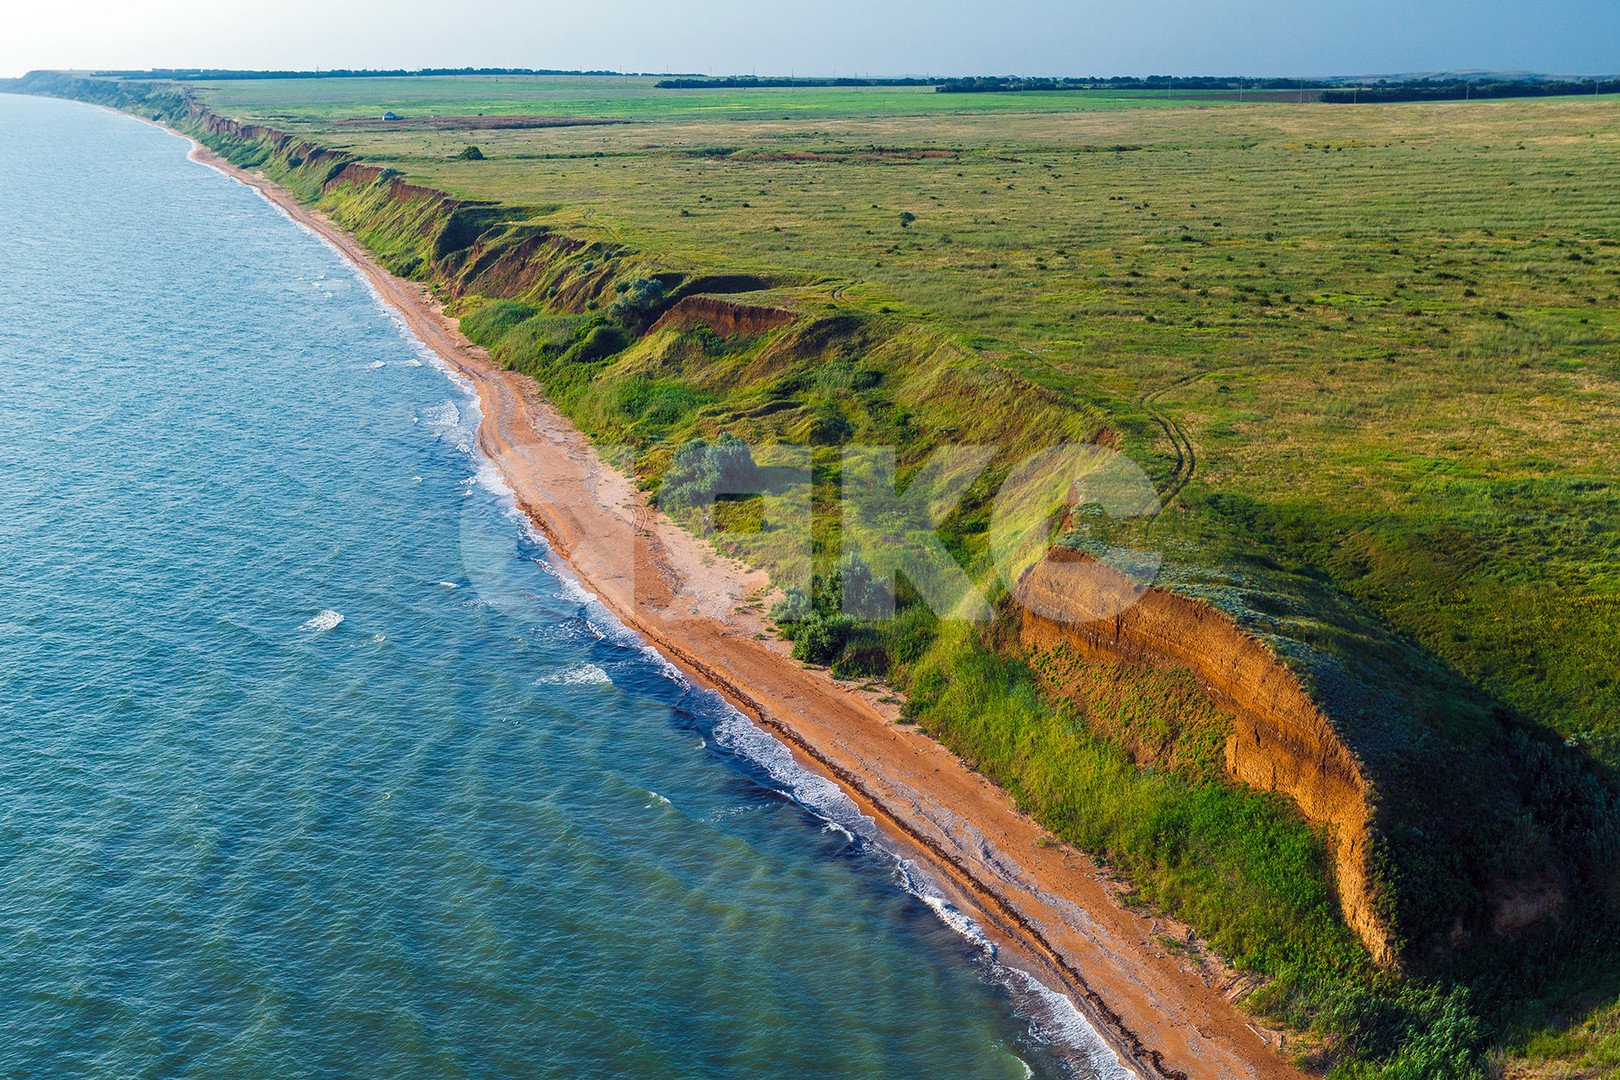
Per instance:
(1060,1021)
(568,586)
(665,668)
(737,734)
(490,479)
(447,585)
(375,364)
(322,622)
(957,920)
(440,417)
(1053,1017)
(584,674)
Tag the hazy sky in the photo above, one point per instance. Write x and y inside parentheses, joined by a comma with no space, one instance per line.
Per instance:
(842,37)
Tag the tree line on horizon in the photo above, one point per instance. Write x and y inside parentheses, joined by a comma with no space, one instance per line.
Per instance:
(1465,89)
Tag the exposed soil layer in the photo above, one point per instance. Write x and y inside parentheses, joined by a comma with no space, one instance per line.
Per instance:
(1280,742)
(725,317)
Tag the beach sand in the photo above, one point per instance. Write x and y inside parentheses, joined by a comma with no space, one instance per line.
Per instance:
(1049,908)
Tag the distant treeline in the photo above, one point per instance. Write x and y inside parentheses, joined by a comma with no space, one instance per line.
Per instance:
(222,74)
(753,82)
(1461,89)
(1002,84)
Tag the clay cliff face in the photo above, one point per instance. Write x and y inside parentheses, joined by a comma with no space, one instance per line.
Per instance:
(1280,741)
(724,317)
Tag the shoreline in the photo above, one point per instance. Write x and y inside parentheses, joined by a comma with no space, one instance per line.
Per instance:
(1162,1014)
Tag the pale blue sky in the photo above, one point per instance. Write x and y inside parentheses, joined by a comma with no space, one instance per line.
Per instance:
(844,37)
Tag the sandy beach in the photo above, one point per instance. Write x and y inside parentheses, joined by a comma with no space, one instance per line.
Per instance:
(1048,907)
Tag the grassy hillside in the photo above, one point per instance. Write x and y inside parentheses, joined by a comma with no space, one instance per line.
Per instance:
(1368,355)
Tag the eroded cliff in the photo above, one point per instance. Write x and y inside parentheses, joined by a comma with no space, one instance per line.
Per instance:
(1280,741)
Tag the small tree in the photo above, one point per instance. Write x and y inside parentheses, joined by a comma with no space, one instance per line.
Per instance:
(472,153)
(638,303)
(699,472)
(820,638)
(906,218)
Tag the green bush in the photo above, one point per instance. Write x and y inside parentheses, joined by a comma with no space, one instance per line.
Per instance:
(908,636)
(710,342)
(699,473)
(792,608)
(1381,1029)
(863,655)
(653,406)
(639,303)
(820,638)
(855,591)
(829,426)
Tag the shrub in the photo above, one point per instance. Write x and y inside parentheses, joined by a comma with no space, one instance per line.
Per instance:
(907,636)
(863,655)
(792,608)
(820,638)
(710,342)
(639,303)
(857,592)
(699,472)
(406,266)
(1382,1029)
(655,405)
(829,426)
(472,153)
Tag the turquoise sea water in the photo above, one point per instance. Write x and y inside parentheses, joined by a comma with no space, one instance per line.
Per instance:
(309,764)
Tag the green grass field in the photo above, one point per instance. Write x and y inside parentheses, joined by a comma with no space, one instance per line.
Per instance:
(323,102)
(1369,355)
(1393,329)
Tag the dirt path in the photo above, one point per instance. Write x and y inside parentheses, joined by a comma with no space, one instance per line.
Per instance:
(1048,906)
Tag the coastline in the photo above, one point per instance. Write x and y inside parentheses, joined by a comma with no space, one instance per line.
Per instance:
(1162,1013)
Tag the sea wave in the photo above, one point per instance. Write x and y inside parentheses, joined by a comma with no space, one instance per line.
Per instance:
(440,417)
(322,622)
(953,917)
(583,674)
(1059,1021)
(1052,1016)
